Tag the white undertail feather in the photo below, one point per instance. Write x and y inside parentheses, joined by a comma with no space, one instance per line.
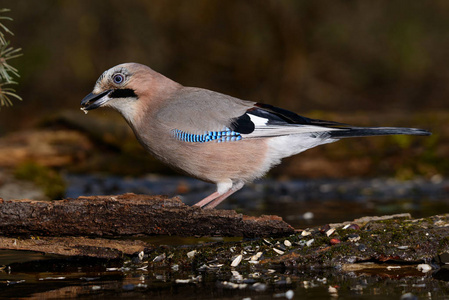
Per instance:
(284,146)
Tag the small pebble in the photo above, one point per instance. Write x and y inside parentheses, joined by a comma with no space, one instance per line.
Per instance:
(282,247)
(248,248)
(256,256)
(362,247)
(159,258)
(214,266)
(236,276)
(141,255)
(334,241)
(353,237)
(309,242)
(352,226)
(287,243)
(424,268)
(402,247)
(236,261)
(301,243)
(305,233)
(330,231)
(183,281)
(255,275)
(278,251)
(191,254)
(267,242)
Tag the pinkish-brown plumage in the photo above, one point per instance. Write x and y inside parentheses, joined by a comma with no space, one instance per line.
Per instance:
(212,136)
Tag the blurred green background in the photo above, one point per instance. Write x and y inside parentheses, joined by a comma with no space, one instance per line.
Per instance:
(364,62)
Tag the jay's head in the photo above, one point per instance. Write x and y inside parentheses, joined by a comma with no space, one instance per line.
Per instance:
(125,88)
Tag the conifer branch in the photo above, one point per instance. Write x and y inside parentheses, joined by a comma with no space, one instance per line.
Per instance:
(7,72)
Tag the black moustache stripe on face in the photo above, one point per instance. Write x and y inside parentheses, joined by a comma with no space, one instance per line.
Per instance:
(123,93)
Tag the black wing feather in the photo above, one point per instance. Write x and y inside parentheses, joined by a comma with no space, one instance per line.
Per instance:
(266,110)
(279,116)
(243,124)
(275,116)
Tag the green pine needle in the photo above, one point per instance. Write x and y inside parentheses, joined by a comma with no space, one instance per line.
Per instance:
(6,93)
(7,72)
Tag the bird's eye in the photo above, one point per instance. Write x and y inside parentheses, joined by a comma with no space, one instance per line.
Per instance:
(118,78)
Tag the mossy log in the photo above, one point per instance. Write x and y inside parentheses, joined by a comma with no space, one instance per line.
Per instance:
(354,246)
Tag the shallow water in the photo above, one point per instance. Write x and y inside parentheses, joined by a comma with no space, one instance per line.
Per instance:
(51,277)
(302,203)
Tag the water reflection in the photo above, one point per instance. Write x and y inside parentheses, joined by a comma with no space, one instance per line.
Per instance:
(88,278)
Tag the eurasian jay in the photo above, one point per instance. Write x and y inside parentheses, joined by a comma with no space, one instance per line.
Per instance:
(211,136)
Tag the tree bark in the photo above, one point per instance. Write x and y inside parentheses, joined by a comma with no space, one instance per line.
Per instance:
(129,214)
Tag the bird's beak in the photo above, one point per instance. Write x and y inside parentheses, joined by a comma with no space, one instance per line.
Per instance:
(93,101)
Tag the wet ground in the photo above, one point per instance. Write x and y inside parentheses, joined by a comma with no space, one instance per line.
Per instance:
(302,203)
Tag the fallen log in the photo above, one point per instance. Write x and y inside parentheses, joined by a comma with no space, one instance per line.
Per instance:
(76,246)
(129,214)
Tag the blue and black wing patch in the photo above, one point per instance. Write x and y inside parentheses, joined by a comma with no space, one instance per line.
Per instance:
(225,135)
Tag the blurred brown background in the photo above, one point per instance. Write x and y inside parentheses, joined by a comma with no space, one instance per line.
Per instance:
(304,55)
(365,62)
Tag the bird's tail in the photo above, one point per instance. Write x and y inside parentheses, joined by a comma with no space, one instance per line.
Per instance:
(375,131)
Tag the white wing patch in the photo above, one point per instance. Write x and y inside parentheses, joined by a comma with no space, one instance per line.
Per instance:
(263,129)
(258,121)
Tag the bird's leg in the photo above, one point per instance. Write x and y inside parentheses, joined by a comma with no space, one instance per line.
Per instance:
(224,189)
(218,200)
(208,199)
(212,204)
